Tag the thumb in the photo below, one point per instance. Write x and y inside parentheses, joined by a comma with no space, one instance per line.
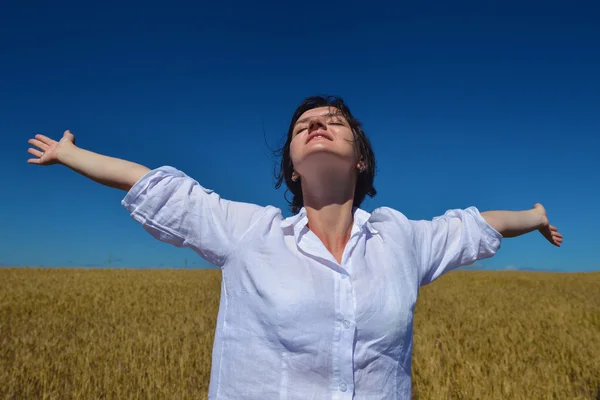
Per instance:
(69,136)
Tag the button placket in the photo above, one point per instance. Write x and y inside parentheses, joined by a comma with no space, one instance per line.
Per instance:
(346,334)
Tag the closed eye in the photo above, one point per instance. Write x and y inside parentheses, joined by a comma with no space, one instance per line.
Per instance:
(336,121)
(298,131)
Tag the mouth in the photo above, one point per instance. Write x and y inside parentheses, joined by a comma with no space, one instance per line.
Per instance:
(319,135)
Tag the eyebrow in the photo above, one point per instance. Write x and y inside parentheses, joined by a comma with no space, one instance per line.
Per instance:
(329,114)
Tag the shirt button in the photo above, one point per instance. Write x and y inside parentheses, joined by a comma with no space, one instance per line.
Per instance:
(346,324)
(343,387)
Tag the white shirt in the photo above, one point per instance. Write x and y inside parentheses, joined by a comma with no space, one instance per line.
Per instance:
(293,323)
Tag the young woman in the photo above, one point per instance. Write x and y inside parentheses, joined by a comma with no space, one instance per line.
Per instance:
(318,305)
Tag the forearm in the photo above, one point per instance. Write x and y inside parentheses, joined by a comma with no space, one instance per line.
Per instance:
(109,171)
(514,223)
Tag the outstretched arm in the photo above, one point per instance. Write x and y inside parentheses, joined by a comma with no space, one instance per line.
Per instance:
(515,223)
(109,171)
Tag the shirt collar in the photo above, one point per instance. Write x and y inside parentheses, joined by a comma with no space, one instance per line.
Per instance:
(361,220)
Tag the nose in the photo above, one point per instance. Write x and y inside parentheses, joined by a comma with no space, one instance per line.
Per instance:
(316,123)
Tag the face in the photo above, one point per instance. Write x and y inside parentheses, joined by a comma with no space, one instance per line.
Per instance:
(322,140)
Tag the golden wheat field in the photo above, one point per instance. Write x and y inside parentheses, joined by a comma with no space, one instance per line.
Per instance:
(141,334)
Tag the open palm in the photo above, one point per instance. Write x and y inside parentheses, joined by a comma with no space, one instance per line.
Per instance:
(47,149)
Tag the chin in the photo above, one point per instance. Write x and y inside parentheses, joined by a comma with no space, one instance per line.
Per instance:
(322,153)
(323,158)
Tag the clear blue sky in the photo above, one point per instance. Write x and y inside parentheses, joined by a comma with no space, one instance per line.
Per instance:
(493,104)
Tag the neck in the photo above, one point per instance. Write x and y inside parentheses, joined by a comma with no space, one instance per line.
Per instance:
(329,210)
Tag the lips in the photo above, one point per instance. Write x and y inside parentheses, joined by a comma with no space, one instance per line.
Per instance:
(319,134)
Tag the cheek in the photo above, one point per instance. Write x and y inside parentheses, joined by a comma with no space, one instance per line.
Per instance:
(347,134)
(348,139)
(294,150)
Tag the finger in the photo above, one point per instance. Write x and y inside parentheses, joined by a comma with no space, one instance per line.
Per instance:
(553,228)
(554,240)
(551,237)
(35,152)
(33,161)
(37,143)
(44,139)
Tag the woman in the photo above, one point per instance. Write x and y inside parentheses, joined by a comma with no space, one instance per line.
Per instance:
(318,305)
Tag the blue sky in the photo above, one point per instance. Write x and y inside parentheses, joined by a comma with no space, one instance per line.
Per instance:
(492,104)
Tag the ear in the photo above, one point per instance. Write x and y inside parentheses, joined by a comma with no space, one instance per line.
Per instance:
(361,165)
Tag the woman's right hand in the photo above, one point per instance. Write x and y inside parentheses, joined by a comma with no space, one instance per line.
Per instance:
(50,148)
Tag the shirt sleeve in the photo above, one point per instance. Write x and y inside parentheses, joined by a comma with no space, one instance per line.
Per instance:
(176,209)
(458,238)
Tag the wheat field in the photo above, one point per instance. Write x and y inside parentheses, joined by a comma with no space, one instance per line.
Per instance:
(147,334)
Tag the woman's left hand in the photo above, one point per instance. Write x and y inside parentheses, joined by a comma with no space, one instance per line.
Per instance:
(550,232)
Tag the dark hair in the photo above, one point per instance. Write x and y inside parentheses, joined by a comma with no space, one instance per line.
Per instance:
(364,183)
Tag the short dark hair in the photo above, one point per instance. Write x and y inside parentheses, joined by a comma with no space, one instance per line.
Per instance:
(364,183)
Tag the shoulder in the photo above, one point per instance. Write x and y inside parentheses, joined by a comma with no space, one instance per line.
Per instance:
(387,214)
(170,184)
(389,221)
(390,215)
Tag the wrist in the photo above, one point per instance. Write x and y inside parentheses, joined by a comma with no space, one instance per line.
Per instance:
(64,152)
(540,218)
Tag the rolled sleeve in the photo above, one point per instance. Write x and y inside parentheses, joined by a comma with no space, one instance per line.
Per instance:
(176,209)
(458,238)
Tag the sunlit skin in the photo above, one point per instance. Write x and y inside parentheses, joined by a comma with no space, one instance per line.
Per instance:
(109,171)
(516,223)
